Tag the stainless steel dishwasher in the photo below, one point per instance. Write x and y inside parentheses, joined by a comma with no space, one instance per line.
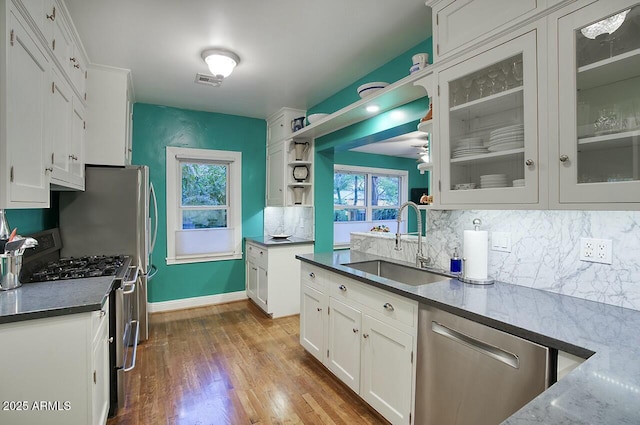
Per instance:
(468,373)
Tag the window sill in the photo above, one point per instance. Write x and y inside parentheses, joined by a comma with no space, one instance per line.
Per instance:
(203,259)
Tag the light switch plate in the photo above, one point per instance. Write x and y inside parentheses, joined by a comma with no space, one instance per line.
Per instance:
(501,241)
(596,250)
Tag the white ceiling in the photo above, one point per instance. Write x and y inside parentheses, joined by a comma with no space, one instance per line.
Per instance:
(293,53)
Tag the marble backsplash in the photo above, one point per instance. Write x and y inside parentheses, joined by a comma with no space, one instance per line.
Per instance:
(384,244)
(294,221)
(544,250)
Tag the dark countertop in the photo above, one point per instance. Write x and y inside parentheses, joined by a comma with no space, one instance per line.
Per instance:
(605,389)
(49,299)
(269,242)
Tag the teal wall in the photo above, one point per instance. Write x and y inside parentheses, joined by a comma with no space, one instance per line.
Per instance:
(30,221)
(380,127)
(156,127)
(394,70)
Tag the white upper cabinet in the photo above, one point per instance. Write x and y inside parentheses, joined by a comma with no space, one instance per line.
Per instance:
(596,155)
(109,101)
(488,112)
(24,179)
(459,25)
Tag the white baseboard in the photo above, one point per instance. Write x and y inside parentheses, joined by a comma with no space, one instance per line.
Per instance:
(196,302)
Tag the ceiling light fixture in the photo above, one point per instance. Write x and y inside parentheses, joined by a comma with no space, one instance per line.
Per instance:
(221,62)
(606,26)
(372,108)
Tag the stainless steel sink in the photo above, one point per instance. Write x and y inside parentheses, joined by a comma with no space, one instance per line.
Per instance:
(398,272)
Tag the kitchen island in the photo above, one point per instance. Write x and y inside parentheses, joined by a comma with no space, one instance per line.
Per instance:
(605,389)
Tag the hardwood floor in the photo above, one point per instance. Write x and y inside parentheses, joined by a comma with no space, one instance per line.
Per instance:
(230,364)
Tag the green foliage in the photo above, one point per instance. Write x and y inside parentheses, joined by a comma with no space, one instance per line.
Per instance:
(204,184)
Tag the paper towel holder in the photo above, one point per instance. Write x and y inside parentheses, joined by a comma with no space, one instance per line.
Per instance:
(463,276)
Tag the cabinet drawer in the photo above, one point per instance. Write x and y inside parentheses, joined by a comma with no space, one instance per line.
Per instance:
(385,303)
(258,255)
(313,276)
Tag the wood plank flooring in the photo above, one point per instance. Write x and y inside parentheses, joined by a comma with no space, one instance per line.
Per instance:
(230,364)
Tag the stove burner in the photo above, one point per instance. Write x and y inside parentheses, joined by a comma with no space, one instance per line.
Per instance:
(78,268)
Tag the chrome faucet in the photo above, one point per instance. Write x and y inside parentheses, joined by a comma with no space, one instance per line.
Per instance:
(421,260)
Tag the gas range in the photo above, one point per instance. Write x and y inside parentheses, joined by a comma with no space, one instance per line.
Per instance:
(77,268)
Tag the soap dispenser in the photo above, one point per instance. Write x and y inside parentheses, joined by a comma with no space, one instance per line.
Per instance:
(456,262)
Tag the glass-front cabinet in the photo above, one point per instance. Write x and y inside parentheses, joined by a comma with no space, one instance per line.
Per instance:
(599,104)
(489,126)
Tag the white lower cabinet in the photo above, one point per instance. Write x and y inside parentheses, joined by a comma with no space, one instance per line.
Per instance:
(387,360)
(345,323)
(59,370)
(272,277)
(365,336)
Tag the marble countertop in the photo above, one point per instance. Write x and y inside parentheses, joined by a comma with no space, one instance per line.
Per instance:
(605,389)
(49,299)
(270,242)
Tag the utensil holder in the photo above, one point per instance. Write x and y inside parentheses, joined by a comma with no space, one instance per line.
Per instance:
(10,266)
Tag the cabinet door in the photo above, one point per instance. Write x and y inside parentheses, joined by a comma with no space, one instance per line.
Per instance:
(599,103)
(252,279)
(76,147)
(262,288)
(313,318)
(275,174)
(387,363)
(100,376)
(27,84)
(60,119)
(344,343)
(61,44)
(489,126)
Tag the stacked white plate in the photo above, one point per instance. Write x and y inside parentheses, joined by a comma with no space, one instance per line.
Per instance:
(518,183)
(493,180)
(506,138)
(468,146)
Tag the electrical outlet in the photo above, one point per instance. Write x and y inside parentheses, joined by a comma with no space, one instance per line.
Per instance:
(596,250)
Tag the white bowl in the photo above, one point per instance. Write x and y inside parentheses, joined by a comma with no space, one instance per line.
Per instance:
(370,88)
(313,118)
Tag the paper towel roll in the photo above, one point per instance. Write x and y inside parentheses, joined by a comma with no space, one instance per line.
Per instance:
(476,252)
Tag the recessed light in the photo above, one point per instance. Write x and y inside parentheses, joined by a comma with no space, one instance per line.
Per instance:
(372,108)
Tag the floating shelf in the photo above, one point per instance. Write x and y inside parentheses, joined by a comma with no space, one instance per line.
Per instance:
(299,184)
(426,126)
(296,163)
(397,94)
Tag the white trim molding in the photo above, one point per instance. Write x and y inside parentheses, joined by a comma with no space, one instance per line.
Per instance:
(204,301)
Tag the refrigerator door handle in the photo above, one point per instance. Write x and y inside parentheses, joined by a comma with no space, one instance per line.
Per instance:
(152,191)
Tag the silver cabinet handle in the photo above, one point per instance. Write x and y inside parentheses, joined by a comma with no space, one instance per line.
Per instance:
(342,288)
(503,356)
(355,331)
(312,275)
(564,158)
(388,306)
(110,340)
(319,309)
(365,335)
(529,162)
(261,252)
(103,313)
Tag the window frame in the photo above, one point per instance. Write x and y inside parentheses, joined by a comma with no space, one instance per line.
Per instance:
(175,156)
(365,225)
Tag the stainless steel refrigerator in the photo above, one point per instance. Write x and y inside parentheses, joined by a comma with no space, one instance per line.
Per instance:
(114,216)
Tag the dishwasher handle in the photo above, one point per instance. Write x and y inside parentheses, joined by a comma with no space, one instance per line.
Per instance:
(503,356)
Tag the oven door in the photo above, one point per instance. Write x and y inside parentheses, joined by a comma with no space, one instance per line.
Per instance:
(127,329)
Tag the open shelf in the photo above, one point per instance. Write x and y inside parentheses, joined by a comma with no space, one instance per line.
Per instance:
(295,163)
(489,157)
(623,66)
(397,94)
(426,126)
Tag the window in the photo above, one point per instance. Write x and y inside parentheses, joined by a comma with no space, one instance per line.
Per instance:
(364,197)
(204,221)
